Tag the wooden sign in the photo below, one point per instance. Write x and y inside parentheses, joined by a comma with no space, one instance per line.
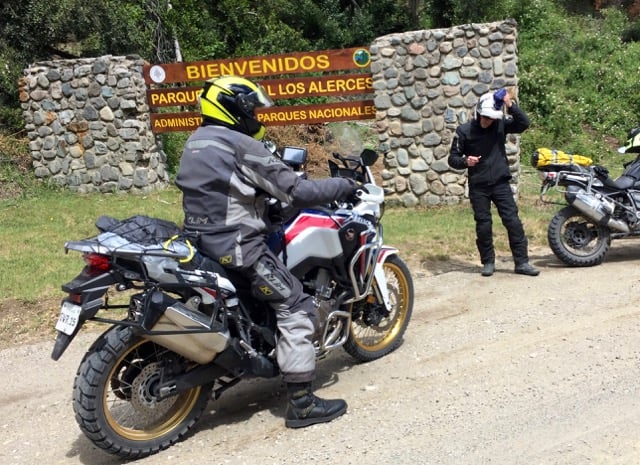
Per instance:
(272,65)
(356,85)
(275,116)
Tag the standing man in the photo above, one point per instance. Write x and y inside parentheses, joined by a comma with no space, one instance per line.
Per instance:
(225,175)
(479,146)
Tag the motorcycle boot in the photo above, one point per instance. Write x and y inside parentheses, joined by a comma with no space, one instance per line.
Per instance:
(306,409)
(526,269)
(488,269)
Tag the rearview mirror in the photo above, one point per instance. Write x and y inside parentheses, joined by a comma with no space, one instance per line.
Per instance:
(368,157)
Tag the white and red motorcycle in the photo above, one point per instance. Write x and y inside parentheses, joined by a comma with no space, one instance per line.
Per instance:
(189,330)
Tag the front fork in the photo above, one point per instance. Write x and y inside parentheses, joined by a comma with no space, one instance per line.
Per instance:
(380,282)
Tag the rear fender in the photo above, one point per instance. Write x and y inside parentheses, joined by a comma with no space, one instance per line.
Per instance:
(89,310)
(380,283)
(90,287)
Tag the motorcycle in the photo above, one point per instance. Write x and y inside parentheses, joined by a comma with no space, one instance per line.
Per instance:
(189,330)
(598,208)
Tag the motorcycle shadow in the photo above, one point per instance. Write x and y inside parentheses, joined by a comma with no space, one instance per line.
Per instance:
(257,395)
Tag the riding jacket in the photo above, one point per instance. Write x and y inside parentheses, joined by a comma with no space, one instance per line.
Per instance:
(472,139)
(225,177)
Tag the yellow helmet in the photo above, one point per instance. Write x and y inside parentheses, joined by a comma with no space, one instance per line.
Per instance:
(230,101)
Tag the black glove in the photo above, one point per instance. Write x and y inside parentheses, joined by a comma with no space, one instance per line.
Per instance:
(352,197)
(601,171)
(362,188)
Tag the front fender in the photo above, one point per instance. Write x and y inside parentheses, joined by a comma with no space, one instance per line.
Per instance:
(385,252)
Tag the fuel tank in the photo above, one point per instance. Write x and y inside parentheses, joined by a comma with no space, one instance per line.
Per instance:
(313,235)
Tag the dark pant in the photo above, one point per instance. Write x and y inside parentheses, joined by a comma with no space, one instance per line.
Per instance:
(501,195)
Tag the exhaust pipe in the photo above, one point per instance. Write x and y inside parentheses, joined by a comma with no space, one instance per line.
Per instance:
(189,334)
(598,209)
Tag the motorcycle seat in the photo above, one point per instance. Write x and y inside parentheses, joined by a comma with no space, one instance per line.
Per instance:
(622,183)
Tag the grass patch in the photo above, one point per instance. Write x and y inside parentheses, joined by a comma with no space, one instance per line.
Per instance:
(34,231)
(36,224)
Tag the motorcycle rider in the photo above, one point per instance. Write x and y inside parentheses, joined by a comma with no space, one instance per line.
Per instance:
(225,174)
(479,146)
(632,144)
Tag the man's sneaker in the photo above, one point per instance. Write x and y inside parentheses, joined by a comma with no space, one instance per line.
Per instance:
(527,269)
(488,269)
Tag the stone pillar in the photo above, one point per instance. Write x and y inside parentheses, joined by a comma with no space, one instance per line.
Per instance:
(426,83)
(87,121)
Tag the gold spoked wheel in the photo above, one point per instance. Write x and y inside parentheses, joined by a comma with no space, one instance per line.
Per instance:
(376,331)
(122,372)
(131,409)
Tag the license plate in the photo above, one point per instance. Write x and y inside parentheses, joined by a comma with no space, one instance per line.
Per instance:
(69,318)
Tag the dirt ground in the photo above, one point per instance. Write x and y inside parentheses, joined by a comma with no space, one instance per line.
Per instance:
(508,370)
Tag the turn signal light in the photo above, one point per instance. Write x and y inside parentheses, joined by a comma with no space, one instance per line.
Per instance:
(547,176)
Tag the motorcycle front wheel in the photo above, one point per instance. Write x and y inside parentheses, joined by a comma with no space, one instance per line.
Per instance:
(576,239)
(114,400)
(376,331)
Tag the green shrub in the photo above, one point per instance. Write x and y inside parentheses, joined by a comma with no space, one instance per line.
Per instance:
(173,143)
(578,79)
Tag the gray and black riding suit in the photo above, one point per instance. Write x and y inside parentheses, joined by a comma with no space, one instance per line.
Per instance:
(225,177)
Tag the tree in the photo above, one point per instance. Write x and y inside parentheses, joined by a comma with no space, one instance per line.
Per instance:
(446,13)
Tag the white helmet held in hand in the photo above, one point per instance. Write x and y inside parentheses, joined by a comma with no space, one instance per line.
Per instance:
(486,107)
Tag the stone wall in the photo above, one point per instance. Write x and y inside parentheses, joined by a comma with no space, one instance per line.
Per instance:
(87,121)
(426,83)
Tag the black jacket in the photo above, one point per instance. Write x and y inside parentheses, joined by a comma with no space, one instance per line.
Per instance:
(472,139)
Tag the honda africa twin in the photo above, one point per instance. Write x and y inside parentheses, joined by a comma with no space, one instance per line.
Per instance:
(189,330)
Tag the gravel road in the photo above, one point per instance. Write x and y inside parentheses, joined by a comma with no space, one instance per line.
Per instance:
(506,370)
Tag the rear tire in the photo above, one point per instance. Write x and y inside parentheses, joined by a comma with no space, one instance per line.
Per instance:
(114,402)
(375,332)
(576,240)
